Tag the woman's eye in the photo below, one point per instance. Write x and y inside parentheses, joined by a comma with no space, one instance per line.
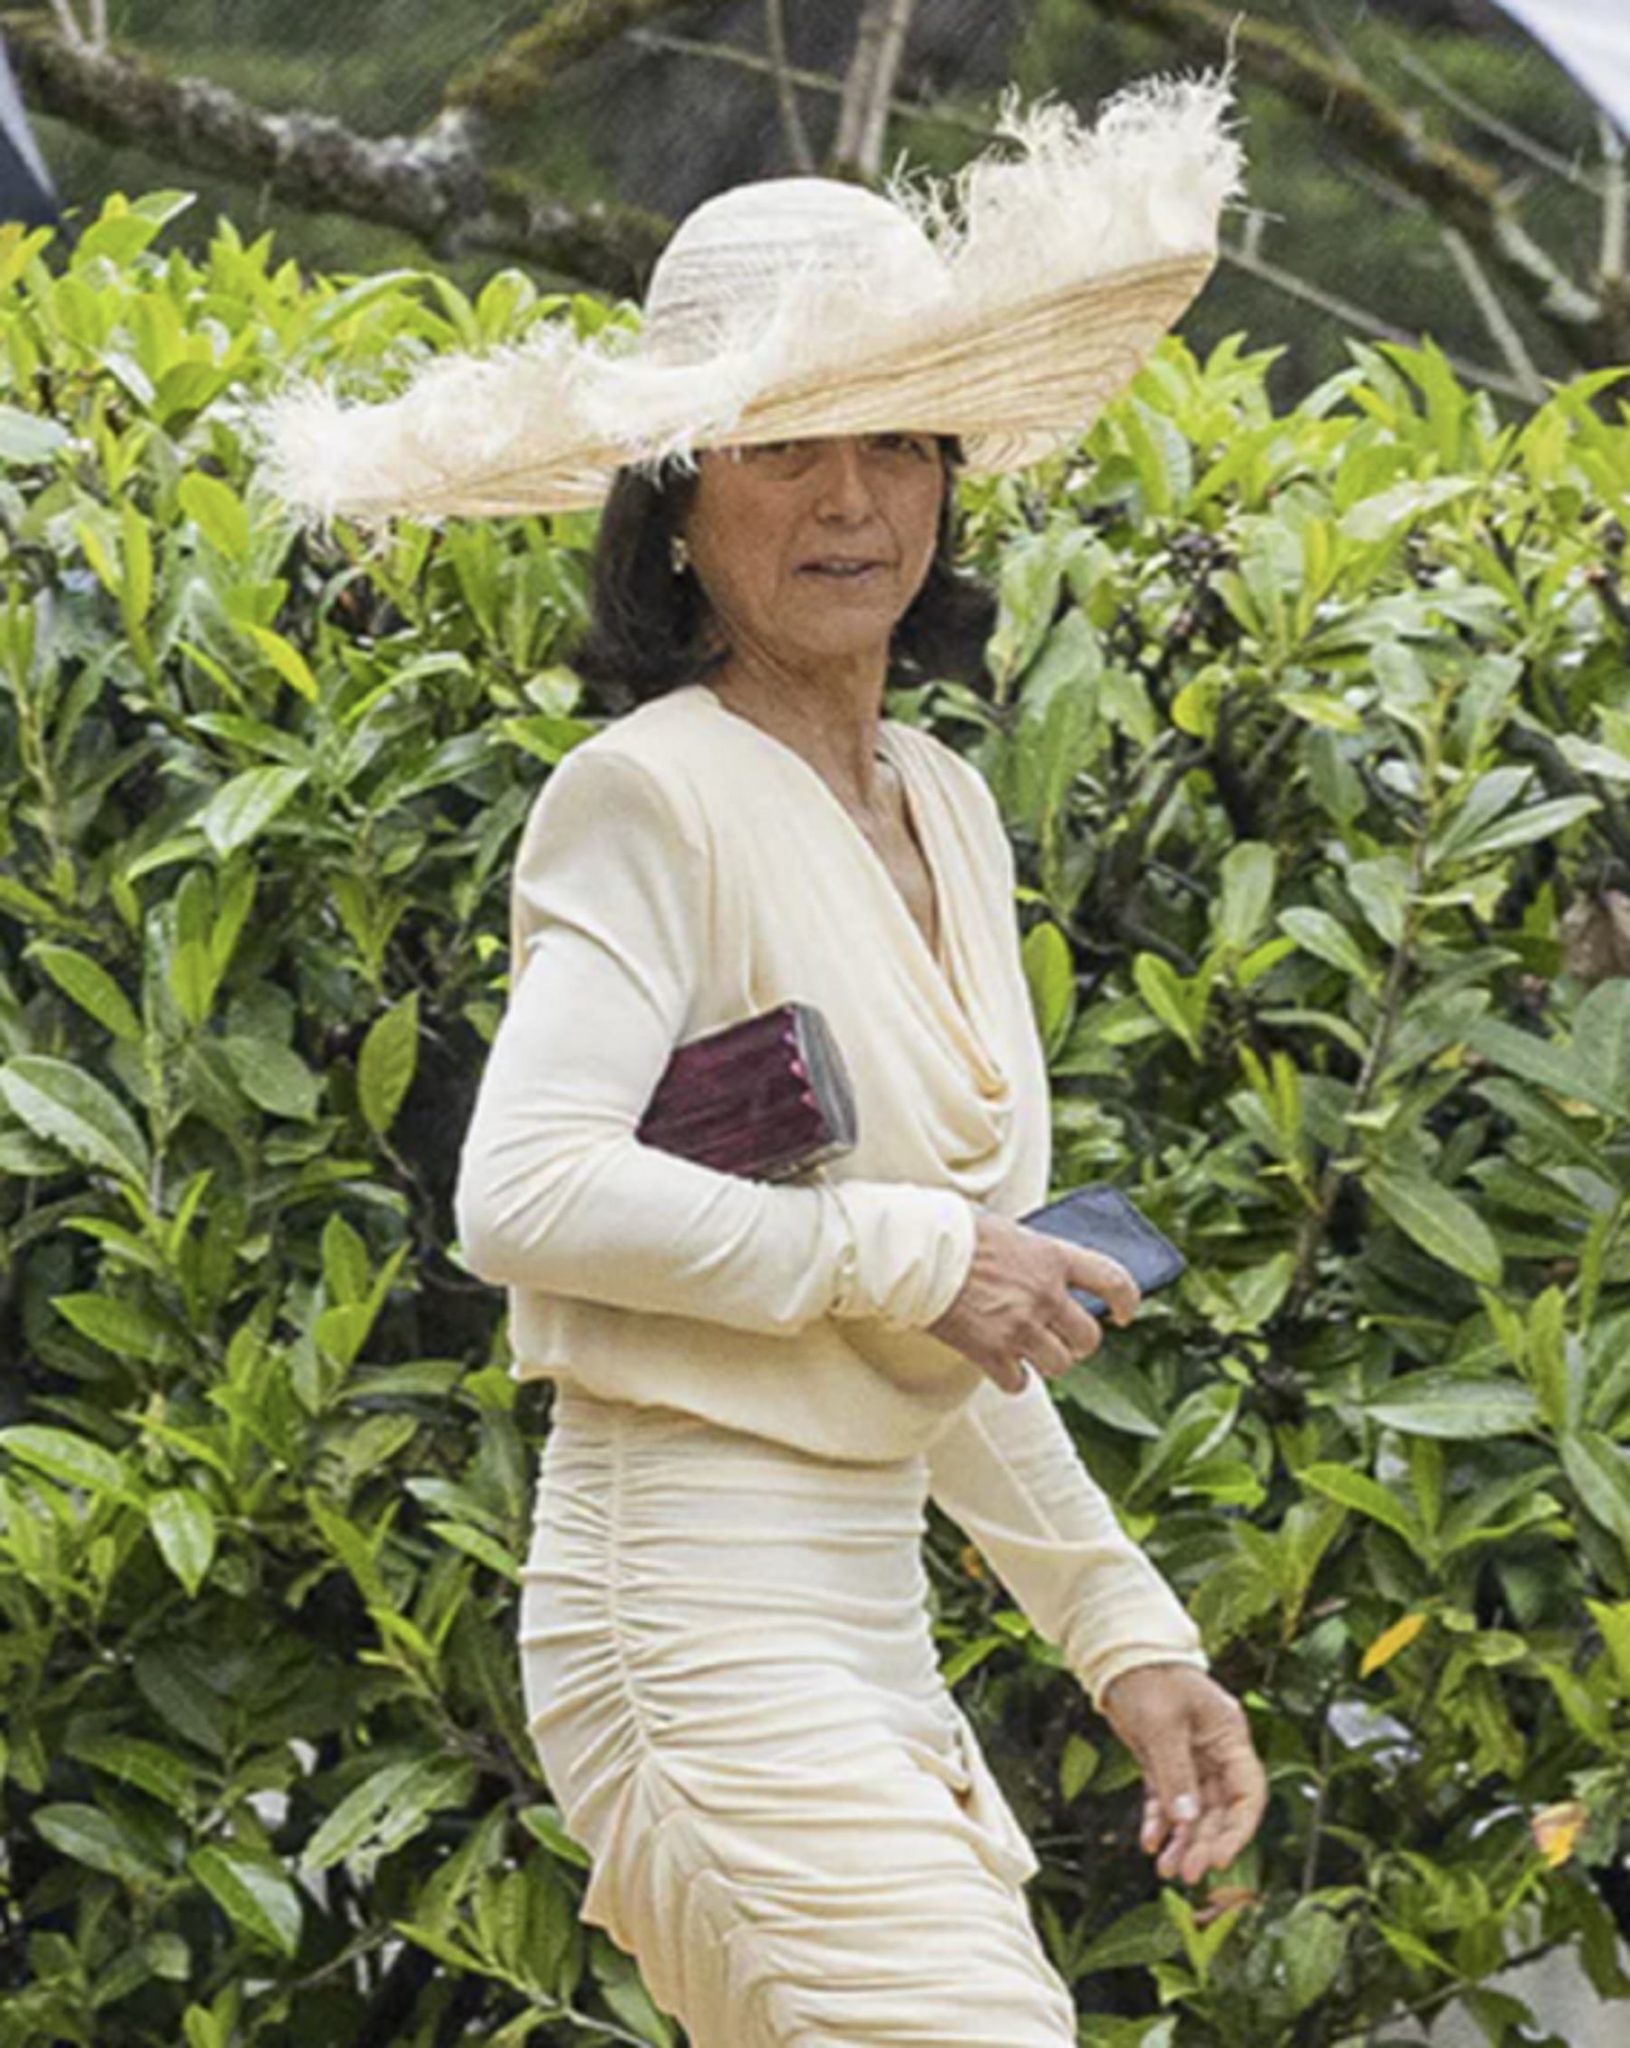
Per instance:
(914,444)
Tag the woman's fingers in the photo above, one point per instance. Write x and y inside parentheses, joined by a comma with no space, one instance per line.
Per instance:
(1206,1788)
(1105,1277)
(1234,1789)
(1171,1768)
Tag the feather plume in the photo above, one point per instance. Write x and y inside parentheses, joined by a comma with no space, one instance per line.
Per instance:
(794,286)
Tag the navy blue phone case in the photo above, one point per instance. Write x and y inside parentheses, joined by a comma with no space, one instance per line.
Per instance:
(1102,1219)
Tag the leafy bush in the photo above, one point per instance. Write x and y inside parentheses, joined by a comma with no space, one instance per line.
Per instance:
(1309,730)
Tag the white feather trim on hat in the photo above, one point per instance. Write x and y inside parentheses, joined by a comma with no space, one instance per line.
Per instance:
(793,286)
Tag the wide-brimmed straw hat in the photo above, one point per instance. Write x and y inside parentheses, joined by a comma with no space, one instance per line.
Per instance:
(1005,306)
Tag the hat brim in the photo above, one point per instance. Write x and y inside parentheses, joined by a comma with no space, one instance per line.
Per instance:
(1014,383)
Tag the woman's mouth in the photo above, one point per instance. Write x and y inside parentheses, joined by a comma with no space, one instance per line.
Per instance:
(838,570)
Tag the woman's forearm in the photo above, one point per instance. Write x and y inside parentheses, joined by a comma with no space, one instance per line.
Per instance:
(1006,1471)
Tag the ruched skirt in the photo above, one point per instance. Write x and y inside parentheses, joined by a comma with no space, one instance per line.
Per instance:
(731,1682)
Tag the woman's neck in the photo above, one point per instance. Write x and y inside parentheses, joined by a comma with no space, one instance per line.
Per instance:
(830,716)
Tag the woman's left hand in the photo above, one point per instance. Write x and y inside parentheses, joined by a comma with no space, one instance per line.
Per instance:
(1205,1788)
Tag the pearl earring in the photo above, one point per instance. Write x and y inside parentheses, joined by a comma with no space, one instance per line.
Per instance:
(678,554)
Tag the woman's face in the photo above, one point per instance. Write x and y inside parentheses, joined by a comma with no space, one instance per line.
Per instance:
(815,548)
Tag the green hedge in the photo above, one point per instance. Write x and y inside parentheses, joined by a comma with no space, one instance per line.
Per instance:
(1308,729)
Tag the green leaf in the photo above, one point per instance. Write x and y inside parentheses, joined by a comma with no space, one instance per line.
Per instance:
(970,1655)
(1378,518)
(273,1076)
(544,1822)
(1144,1935)
(1076,1767)
(68,1108)
(1599,1473)
(482,1548)
(386,1063)
(1115,1392)
(152,1769)
(1368,1497)
(122,1327)
(1446,1405)
(59,1454)
(242,809)
(1614,1623)
(217,511)
(1439,1221)
(389,1807)
(1539,821)
(136,545)
(1538,1060)
(1163,989)
(1601,1039)
(1049,973)
(347,1273)
(1488,797)
(183,1526)
(1313,1946)
(1327,939)
(287,659)
(89,985)
(1380,888)
(1027,595)
(94,1838)
(257,1896)
(1546,1342)
(29,437)
(1248,873)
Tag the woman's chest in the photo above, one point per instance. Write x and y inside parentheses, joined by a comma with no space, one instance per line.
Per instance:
(892,834)
(904,937)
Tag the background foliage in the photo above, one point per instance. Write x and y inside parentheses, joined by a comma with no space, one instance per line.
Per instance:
(1309,729)
(653,105)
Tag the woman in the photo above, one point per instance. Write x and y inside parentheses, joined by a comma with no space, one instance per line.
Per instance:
(726,1650)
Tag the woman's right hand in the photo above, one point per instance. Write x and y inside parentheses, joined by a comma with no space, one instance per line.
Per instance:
(1015,1302)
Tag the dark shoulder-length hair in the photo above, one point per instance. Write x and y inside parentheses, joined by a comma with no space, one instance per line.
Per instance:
(648,627)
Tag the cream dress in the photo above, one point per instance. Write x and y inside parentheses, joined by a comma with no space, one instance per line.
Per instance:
(724,1638)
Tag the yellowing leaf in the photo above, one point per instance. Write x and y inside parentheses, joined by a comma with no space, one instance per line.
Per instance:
(1556,1829)
(1390,1642)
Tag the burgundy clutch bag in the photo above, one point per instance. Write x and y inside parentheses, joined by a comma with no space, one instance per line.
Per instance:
(765,1097)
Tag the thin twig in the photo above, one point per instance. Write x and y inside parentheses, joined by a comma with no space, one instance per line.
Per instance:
(1295,287)
(1495,317)
(786,98)
(812,81)
(1479,116)
(1615,203)
(68,22)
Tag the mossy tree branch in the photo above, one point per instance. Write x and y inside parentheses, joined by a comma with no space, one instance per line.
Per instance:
(431,185)
(507,82)
(1464,192)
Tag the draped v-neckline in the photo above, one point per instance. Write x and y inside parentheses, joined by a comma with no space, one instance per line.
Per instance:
(947,963)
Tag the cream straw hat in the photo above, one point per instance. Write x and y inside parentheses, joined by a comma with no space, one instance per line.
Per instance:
(1005,306)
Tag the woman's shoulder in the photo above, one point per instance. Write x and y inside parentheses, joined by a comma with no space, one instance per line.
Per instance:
(645,764)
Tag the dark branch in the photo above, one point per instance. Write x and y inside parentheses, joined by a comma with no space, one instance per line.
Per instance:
(430,185)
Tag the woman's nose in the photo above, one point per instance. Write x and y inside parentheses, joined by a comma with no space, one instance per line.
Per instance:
(843,482)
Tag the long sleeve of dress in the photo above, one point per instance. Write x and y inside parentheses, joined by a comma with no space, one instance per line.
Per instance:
(556,1192)
(1007,1474)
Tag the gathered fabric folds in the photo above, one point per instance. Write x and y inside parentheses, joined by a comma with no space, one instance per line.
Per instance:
(731,1683)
